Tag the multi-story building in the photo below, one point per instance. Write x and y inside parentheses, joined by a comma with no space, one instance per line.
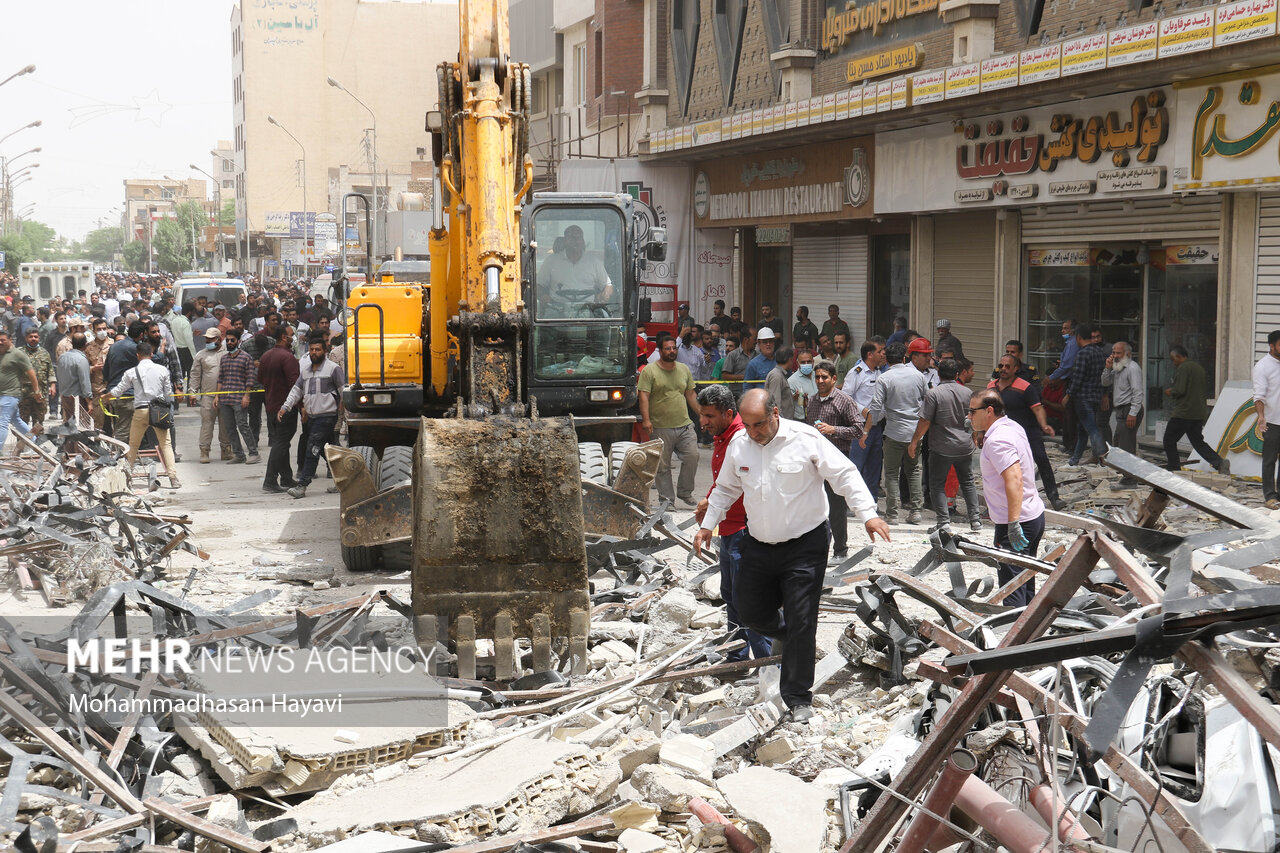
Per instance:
(149,200)
(383,58)
(1005,165)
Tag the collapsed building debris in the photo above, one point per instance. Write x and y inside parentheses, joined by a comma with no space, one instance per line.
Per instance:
(1130,705)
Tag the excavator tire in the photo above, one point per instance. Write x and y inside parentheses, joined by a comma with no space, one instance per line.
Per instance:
(497,526)
(591,463)
(396,468)
(617,456)
(364,558)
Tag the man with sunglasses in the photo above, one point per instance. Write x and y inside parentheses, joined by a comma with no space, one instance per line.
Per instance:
(1009,487)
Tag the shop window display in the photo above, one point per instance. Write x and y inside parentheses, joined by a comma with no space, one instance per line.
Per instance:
(1152,296)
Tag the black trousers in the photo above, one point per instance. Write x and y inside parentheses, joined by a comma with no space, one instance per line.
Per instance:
(1033,530)
(1270,453)
(1176,428)
(1035,438)
(280,435)
(257,402)
(777,594)
(838,519)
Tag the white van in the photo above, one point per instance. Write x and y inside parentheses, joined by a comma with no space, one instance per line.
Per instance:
(219,291)
(322,285)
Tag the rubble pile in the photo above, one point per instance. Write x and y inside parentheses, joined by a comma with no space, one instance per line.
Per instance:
(73,523)
(1129,706)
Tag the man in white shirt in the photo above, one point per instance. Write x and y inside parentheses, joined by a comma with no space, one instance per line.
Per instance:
(860,385)
(778,468)
(1266,402)
(1123,376)
(148,382)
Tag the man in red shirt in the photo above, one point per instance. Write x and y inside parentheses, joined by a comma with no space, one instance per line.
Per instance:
(278,371)
(719,416)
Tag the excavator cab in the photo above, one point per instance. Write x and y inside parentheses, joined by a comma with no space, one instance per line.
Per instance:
(581,266)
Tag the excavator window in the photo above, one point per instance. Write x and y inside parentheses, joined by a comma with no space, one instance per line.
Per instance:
(579,277)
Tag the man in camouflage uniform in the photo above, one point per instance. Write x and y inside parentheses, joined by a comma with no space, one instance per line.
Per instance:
(96,352)
(32,408)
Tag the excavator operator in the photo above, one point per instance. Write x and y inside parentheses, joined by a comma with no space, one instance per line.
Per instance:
(573,283)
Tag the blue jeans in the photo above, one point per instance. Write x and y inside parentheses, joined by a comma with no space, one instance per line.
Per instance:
(9,415)
(319,434)
(758,645)
(870,460)
(1088,432)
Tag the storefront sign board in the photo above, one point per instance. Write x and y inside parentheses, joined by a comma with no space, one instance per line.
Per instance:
(1243,21)
(1186,33)
(1132,44)
(1226,135)
(1039,64)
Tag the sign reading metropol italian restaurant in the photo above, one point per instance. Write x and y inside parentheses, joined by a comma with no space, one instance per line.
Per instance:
(829,180)
(863,25)
(1110,147)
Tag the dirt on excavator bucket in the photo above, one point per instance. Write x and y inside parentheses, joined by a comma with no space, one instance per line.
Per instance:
(498,531)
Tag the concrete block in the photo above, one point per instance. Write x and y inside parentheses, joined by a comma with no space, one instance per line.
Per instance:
(670,791)
(632,750)
(635,841)
(633,815)
(523,785)
(673,611)
(610,651)
(620,630)
(777,751)
(711,697)
(708,617)
(792,812)
(690,755)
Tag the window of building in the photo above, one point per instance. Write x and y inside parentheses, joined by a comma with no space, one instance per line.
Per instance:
(580,74)
(685,21)
(538,95)
(729,18)
(167,194)
(599,63)
(45,283)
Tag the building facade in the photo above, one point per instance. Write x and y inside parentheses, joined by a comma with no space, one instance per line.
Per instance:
(1031,162)
(383,54)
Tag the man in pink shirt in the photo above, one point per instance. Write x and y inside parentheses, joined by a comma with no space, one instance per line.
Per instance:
(1009,487)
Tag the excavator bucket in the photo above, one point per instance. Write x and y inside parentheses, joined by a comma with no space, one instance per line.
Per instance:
(498,547)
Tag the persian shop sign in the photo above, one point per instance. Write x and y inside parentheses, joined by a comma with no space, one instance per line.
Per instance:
(886,62)
(867,24)
(1229,138)
(1105,147)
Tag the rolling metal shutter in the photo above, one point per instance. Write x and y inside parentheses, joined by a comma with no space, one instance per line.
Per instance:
(1190,218)
(964,284)
(1267,295)
(831,270)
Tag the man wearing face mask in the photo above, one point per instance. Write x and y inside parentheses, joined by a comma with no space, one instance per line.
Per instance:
(802,384)
(319,389)
(203,385)
(165,355)
(96,351)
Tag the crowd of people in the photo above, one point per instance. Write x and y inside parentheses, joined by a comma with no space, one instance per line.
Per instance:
(118,356)
(804,433)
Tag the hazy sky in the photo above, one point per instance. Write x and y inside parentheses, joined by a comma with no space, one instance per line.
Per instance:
(125,89)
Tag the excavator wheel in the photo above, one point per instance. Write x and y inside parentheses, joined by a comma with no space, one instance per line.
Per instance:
(498,533)
(364,558)
(396,468)
(591,462)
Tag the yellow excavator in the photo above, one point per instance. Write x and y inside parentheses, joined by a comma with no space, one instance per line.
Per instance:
(468,392)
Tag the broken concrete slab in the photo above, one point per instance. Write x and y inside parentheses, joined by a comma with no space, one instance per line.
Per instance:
(669,790)
(522,785)
(691,755)
(779,750)
(636,841)
(633,750)
(671,613)
(792,812)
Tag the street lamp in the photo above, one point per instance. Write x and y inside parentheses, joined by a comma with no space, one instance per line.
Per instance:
(35,123)
(10,182)
(302,148)
(26,70)
(217,219)
(373,170)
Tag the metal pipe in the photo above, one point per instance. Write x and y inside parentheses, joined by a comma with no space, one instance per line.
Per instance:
(492,290)
(707,813)
(1001,818)
(959,767)
(1044,800)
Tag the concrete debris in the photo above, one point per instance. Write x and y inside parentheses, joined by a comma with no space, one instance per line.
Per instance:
(791,814)
(1089,710)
